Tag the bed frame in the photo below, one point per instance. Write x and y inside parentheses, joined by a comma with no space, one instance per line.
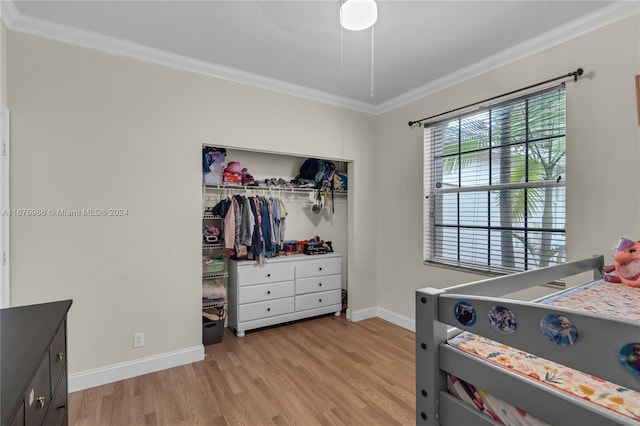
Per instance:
(596,352)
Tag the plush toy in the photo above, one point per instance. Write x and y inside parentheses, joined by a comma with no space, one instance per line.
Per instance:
(626,264)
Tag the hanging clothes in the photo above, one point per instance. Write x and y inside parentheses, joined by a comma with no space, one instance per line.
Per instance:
(283,216)
(246,233)
(229,227)
(252,226)
(266,225)
(256,238)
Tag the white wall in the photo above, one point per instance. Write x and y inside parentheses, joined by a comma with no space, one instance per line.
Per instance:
(603,149)
(93,130)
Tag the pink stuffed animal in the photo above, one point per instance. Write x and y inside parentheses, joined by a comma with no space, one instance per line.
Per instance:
(626,264)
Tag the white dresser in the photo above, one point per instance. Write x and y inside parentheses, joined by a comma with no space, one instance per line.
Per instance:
(285,288)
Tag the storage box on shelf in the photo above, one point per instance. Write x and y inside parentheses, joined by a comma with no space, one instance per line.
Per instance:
(284,289)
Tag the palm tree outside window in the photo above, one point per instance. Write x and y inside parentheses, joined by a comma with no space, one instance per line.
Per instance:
(494,186)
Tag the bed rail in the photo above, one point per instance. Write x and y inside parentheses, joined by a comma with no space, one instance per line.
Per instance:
(498,286)
(434,358)
(594,352)
(551,405)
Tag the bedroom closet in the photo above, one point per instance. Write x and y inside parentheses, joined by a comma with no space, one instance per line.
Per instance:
(255,186)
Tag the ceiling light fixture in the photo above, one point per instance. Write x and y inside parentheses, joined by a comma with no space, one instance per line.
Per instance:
(356,15)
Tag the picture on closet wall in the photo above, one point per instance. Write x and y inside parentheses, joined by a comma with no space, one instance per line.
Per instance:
(213,165)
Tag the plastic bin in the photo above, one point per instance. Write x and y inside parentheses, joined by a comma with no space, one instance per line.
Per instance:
(210,266)
(212,331)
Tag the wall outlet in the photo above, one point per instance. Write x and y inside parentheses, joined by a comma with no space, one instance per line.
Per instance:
(138,339)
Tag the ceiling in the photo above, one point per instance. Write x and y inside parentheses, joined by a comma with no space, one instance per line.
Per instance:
(298,47)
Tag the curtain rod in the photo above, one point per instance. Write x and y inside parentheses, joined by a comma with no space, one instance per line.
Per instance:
(577,73)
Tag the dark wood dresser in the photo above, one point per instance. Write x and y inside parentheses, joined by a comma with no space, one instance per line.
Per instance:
(33,364)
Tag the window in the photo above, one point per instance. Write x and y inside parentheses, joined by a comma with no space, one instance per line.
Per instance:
(494,183)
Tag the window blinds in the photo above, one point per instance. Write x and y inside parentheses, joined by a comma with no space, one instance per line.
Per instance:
(494,185)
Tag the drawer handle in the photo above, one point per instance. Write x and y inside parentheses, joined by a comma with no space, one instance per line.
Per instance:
(60,357)
(268,291)
(319,284)
(268,309)
(40,403)
(320,300)
(268,275)
(320,268)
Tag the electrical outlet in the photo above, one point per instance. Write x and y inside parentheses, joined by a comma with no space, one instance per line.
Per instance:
(138,339)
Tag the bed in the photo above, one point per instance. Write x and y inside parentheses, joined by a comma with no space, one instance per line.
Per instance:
(465,335)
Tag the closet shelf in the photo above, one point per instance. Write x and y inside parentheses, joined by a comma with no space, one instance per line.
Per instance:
(266,189)
(208,276)
(206,304)
(212,246)
(211,216)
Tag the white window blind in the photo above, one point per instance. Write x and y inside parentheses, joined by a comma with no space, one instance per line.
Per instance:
(494,186)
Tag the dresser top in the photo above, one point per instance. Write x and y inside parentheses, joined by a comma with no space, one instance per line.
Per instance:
(26,332)
(291,258)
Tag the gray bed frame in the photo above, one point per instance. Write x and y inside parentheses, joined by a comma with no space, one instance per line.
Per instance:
(595,352)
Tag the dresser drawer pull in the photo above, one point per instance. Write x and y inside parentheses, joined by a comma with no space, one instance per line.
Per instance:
(319,284)
(60,357)
(40,402)
(268,291)
(320,300)
(268,275)
(320,268)
(268,309)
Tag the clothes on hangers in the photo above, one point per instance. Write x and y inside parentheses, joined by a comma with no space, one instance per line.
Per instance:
(252,224)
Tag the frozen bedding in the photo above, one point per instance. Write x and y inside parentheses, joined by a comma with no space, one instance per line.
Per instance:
(597,297)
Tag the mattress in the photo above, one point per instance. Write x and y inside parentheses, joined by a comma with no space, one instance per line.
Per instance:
(598,297)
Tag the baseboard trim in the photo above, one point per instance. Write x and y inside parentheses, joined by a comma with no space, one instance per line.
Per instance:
(385,314)
(363,314)
(125,370)
(397,319)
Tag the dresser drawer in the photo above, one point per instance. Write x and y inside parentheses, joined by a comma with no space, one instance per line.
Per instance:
(264,292)
(312,268)
(253,311)
(322,283)
(57,357)
(318,300)
(58,409)
(38,395)
(18,420)
(262,274)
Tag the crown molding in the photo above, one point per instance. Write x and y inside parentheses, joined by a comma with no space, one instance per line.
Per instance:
(15,21)
(607,15)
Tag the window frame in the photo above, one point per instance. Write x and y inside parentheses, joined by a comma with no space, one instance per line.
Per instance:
(432,246)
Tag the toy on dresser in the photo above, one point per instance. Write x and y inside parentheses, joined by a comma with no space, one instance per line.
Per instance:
(626,267)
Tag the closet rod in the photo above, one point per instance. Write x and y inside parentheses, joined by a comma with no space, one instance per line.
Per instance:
(577,73)
(268,189)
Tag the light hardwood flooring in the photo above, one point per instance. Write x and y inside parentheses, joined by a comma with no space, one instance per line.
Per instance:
(322,371)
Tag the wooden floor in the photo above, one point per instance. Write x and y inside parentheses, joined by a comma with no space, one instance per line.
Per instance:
(314,372)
